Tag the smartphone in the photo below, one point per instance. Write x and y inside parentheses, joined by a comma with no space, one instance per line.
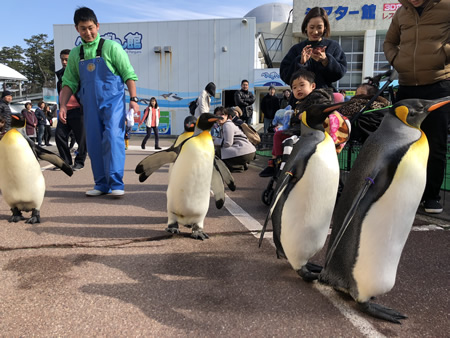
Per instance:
(318,48)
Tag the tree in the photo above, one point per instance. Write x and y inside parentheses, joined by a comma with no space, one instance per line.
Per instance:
(13,57)
(40,62)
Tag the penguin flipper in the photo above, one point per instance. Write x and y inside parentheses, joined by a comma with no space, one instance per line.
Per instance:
(54,159)
(349,216)
(217,188)
(153,162)
(221,167)
(381,312)
(281,188)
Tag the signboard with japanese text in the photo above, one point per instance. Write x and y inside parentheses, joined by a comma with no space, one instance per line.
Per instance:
(348,15)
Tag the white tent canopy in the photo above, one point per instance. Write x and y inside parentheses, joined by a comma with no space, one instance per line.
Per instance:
(7,73)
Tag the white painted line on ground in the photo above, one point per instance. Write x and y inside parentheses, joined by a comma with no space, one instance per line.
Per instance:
(357,321)
(360,323)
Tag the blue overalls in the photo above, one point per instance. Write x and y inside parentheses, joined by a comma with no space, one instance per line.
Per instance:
(103,97)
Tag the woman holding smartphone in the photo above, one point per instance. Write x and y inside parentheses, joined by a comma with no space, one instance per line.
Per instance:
(317,54)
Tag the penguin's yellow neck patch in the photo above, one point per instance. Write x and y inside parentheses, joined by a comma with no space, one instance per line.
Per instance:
(11,136)
(204,135)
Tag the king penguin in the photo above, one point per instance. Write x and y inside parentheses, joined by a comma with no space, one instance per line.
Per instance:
(195,171)
(376,210)
(306,193)
(21,181)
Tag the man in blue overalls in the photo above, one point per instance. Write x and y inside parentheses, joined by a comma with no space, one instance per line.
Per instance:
(100,67)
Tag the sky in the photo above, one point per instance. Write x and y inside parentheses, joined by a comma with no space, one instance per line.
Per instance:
(21,19)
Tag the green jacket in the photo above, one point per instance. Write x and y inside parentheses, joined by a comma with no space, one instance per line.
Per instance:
(115,58)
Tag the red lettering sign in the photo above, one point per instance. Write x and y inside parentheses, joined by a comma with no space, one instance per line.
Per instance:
(391,7)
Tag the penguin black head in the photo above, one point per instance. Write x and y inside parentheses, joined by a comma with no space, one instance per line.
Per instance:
(207,120)
(189,123)
(315,115)
(413,111)
(17,121)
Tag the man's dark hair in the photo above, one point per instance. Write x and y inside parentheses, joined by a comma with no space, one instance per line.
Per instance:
(304,74)
(84,14)
(64,52)
(244,81)
(219,109)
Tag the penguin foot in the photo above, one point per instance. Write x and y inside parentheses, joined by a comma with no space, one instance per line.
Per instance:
(35,217)
(281,254)
(307,275)
(173,228)
(381,312)
(314,267)
(198,234)
(16,216)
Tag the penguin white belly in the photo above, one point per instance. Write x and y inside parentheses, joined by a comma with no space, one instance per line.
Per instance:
(387,224)
(307,211)
(21,180)
(188,192)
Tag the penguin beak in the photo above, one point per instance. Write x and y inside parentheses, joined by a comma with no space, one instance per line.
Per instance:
(214,119)
(438,105)
(15,117)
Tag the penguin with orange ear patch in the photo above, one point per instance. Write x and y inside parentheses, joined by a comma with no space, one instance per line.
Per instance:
(306,194)
(376,210)
(21,181)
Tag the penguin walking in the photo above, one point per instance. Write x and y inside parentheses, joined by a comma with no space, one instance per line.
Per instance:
(306,194)
(21,181)
(376,210)
(194,173)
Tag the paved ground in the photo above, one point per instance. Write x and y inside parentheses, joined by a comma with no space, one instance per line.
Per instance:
(105,267)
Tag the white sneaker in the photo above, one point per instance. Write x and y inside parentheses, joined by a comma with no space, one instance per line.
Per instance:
(117,193)
(94,192)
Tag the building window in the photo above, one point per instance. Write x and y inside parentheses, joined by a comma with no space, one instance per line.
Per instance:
(381,65)
(353,47)
(273,44)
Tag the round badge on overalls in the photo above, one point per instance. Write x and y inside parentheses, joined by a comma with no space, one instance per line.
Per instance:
(91,67)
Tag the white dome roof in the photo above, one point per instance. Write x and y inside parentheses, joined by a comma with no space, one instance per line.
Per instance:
(273,12)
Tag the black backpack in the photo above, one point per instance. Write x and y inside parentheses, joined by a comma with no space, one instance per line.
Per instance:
(193,106)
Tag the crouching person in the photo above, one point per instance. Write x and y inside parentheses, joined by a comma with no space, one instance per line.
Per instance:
(235,148)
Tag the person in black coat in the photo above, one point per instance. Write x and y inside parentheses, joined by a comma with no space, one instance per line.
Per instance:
(269,106)
(5,110)
(40,115)
(325,58)
(244,99)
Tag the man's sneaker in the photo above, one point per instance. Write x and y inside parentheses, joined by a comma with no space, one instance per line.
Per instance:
(94,192)
(117,193)
(432,207)
(77,166)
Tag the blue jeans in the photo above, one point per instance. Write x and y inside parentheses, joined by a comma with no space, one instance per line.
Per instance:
(40,133)
(267,124)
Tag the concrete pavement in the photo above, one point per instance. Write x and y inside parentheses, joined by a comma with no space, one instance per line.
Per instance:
(105,267)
